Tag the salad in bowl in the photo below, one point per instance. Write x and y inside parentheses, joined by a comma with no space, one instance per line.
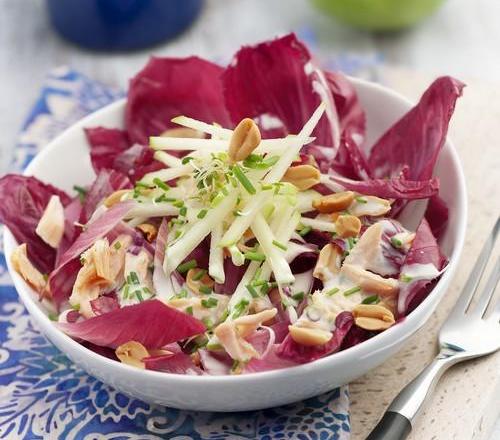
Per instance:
(238,223)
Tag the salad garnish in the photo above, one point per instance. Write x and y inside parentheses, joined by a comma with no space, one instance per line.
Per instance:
(206,249)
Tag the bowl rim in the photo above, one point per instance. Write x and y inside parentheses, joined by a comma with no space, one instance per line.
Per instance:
(374,344)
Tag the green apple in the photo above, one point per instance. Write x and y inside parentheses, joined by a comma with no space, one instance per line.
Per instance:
(379,15)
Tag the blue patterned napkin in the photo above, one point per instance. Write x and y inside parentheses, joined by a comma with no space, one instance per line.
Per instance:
(43,395)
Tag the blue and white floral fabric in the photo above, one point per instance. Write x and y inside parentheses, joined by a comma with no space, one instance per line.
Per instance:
(43,395)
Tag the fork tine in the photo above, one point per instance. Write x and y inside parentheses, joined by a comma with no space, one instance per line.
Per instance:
(474,277)
(488,291)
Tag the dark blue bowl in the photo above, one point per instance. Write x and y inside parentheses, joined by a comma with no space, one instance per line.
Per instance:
(121,24)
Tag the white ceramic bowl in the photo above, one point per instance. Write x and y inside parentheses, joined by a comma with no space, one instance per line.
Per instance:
(65,162)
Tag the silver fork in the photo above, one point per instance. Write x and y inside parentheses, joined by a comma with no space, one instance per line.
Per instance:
(467,333)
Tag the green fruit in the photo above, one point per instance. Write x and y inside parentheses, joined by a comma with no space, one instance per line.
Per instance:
(379,15)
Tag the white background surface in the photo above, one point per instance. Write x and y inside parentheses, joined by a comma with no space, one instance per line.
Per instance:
(462,39)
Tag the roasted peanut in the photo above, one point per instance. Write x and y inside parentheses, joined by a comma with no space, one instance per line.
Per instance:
(195,279)
(347,226)
(309,336)
(132,353)
(372,317)
(369,281)
(148,230)
(115,197)
(302,176)
(333,202)
(245,139)
(369,205)
(328,261)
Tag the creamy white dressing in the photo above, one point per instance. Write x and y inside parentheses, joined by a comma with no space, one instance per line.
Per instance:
(136,271)
(368,252)
(420,272)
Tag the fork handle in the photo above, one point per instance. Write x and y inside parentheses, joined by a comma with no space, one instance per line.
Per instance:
(397,421)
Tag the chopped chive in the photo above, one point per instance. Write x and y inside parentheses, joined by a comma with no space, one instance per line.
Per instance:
(184,267)
(205,290)
(53,316)
(305,230)
(280,245)
(160,184)
(177,234)
(396,242)
(177,221)
(183,293)
(82,192)
(139,295)
(258,283)
(374,299)
(264,290)
(251,289)
(202,213)
(266,187)
(224,191)
(254,256)
(134,278)
(209,303)
(351,241)
(186,160)
(332,291)
(406,278)
(82,259)
(189,310)
(360,200)
(178,203)
(352,290)
(199,274)
(183,211)
(240,308)
(147,291)
(299,296)
(224,315)
(126,291)
(245,182)
(141,185)
(76,307)
(208,322)
(117,245)
(45,276)
(164,198)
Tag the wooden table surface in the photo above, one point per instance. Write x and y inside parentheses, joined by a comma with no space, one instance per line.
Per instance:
(462,39)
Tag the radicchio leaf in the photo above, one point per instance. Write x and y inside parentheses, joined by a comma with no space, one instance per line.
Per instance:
(289,349)
(437,215)
(392,188)
(106,182)
(424,250)
(417,138)
(105,145)
(272,361)
(110,148)
(169,87)
(151,323)
(105,304)
(178,363)
(24,200)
